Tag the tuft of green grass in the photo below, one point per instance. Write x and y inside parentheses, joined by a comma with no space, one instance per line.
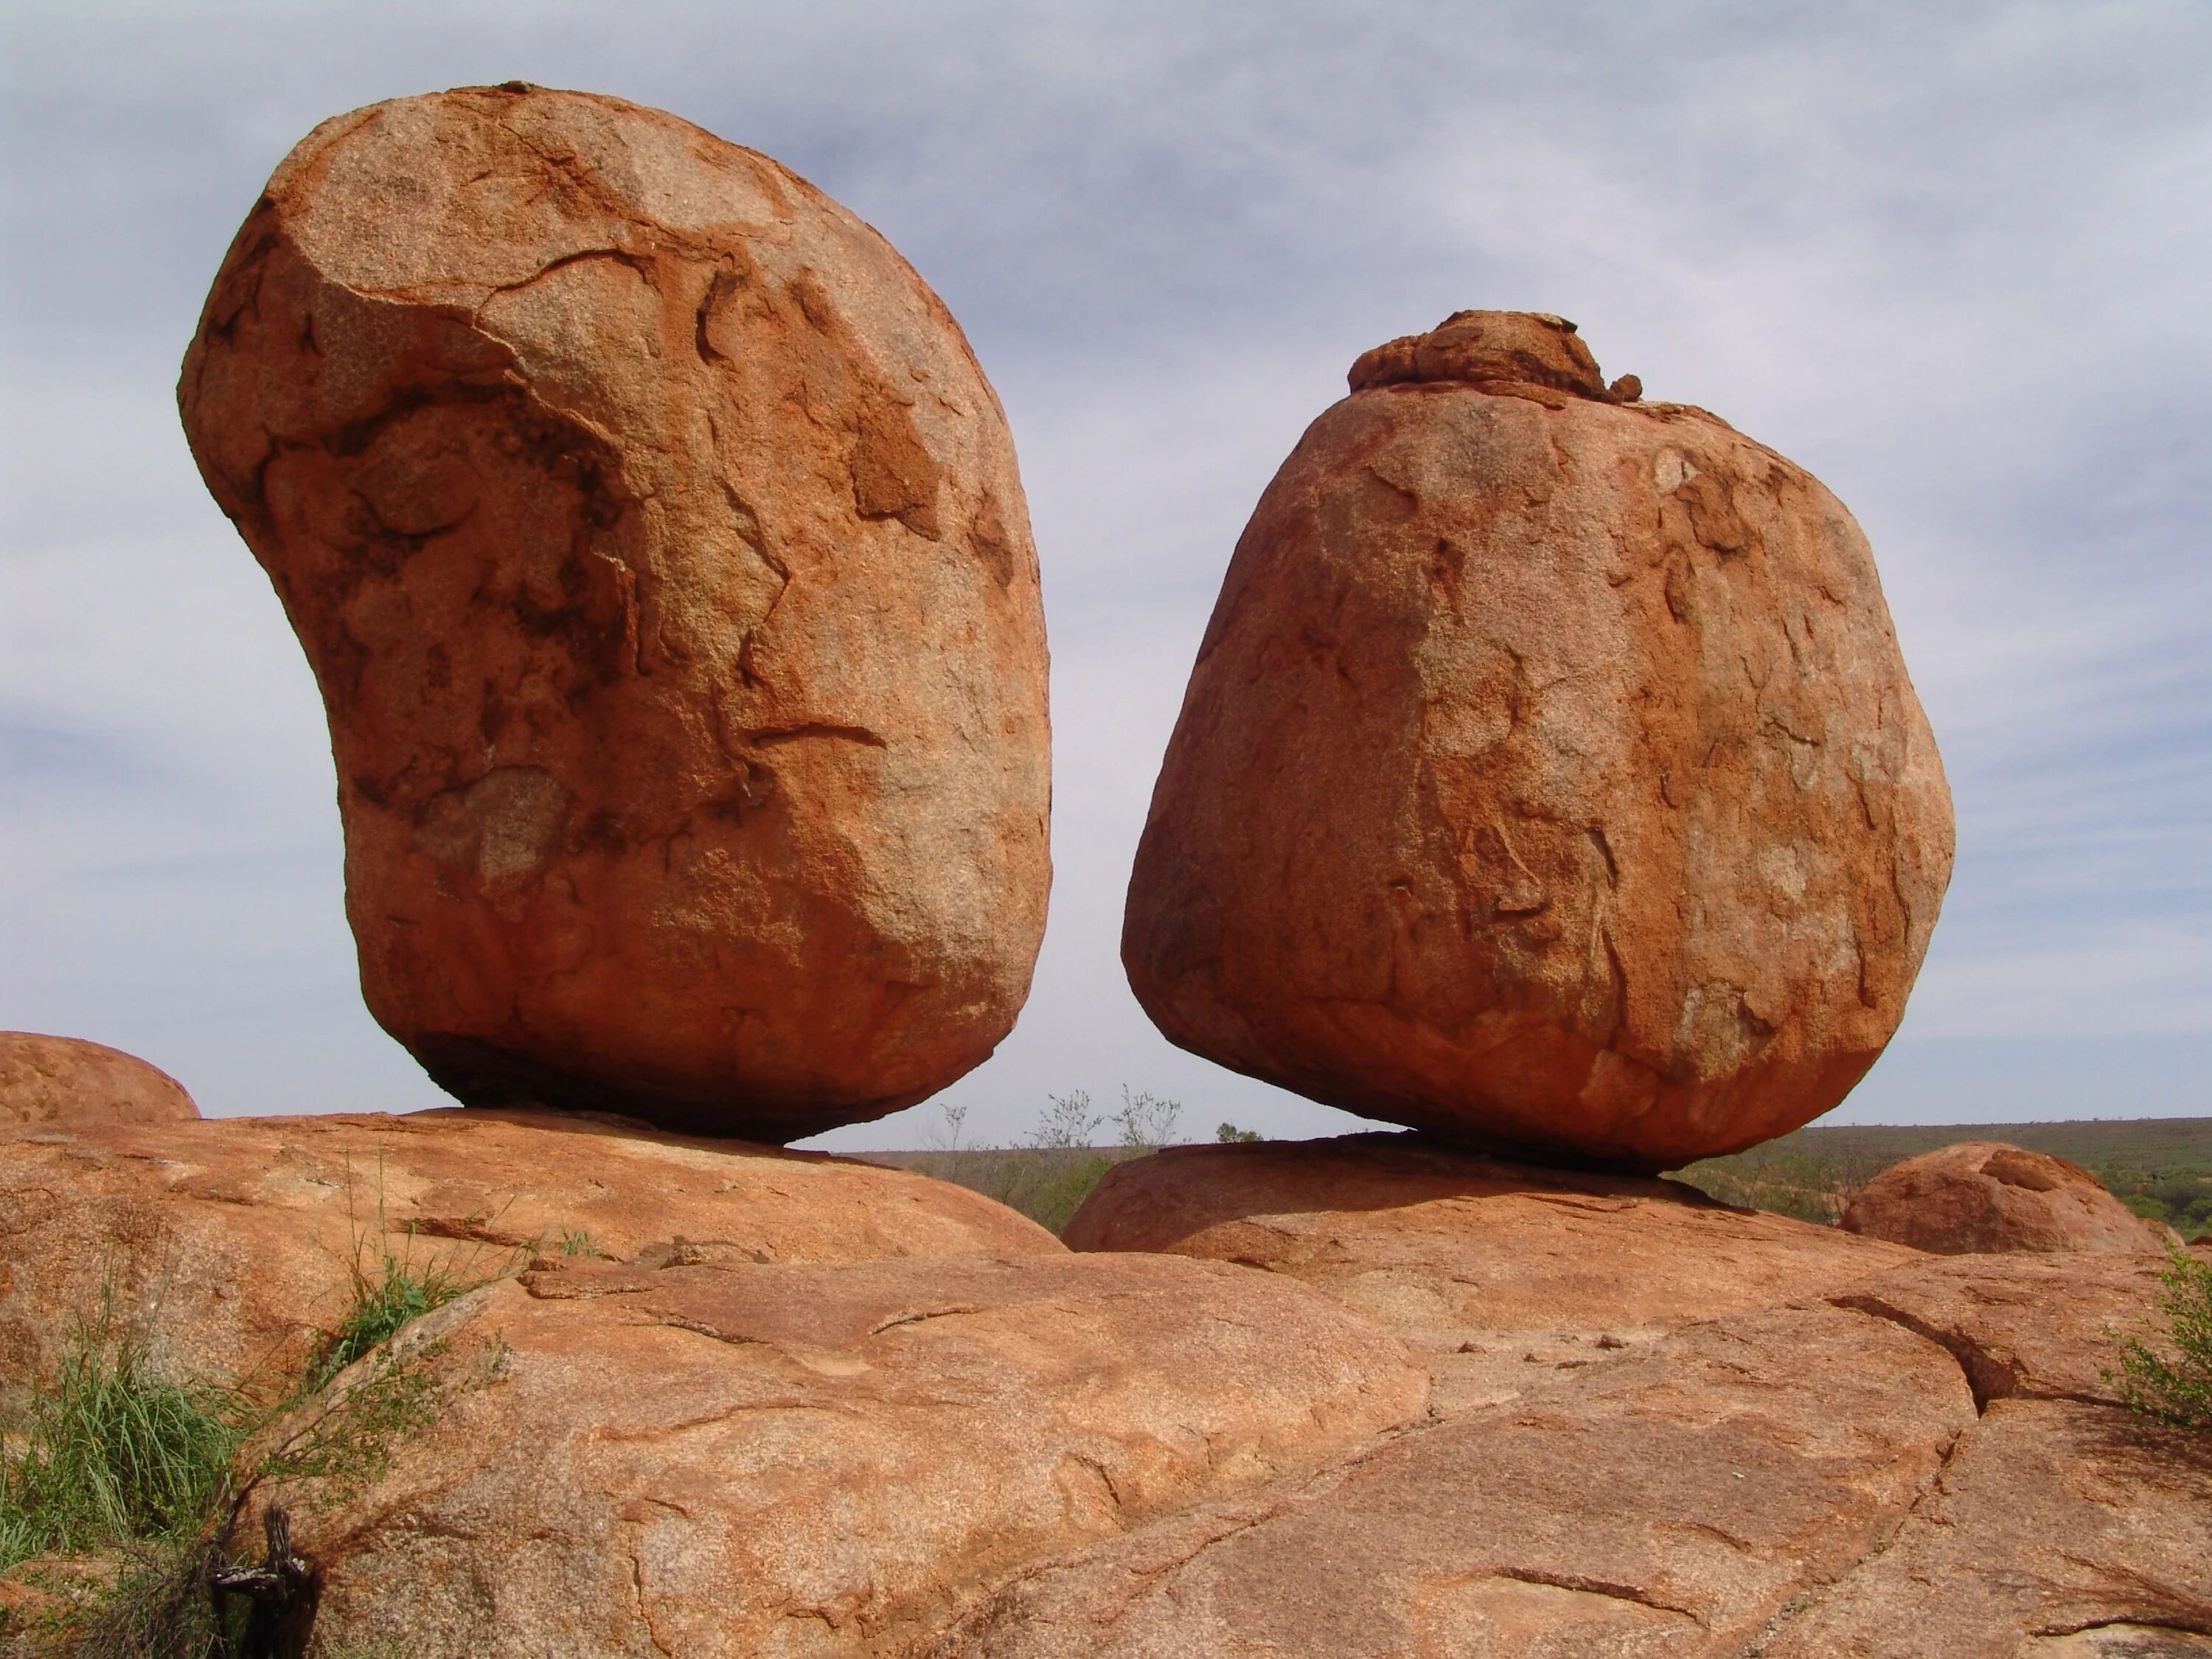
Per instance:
(115,1462)
(113,1454)
(2175,1387)
(388,1296)
(576,1241)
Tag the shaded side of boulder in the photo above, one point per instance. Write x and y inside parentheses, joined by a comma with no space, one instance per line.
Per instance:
(67,1081)
(234,1243)
(659,548)
(1549,777)
(1981,1196)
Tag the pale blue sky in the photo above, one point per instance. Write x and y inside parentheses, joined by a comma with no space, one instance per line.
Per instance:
(1953,259)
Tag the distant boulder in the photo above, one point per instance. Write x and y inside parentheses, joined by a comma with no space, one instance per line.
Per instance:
(70,1082)
(1983,1196)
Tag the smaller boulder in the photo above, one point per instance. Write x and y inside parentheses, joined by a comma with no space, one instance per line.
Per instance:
(67,1080)
(1982,1196)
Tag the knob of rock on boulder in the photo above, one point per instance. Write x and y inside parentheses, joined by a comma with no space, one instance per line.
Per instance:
(1527,346)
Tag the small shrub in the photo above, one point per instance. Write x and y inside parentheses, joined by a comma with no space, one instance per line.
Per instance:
(1068,1122)
(1146,1121)
(1228,1134)
(2176,1388)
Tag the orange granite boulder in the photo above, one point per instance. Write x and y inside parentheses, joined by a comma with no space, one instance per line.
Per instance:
(659,548)
(1549,778)
(66,1081)
(1982,1195)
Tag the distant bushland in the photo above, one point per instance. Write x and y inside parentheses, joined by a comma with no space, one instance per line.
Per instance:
(2161,1168)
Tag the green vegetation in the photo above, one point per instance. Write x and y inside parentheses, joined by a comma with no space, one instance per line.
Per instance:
(2177,1387)
(111,1454)
(1055,1167)
(125,1486)
(2161,1167)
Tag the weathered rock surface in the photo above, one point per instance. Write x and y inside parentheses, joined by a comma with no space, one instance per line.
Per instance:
(754,1461)
(234,1240)
(659,548)
(1982,1196)
(1549,777)
(2029,1328)
(68,1081)
(2053,1521)
(1670,1503)
(1499,1273)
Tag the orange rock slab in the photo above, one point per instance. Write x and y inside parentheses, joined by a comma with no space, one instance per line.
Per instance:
(1549,777)
(231,1243)
(1501,1274)
(70,1082)
(731,1460)
(658,549)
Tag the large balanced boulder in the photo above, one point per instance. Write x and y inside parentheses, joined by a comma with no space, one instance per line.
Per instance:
(1498,1273)
(1549,777)
(1981,1195)
(66,1080)
(234,1245)
(657,545)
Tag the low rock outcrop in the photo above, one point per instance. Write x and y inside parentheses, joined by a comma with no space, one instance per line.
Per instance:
(749,1460)
(69,1082)
(1549,777)
(1979,1196)
(1671,1502)
(233,1242)
(2051,1520)
(2027,1327)
(657,545)
(1500,1273)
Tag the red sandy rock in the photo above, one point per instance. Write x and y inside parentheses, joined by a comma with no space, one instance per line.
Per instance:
(731,1461)
(1501,1273)
(659,548)
(1981,1195)
(1549,777)
(2058,1531)
(1668,1503)
(233,1243)
(69,1082)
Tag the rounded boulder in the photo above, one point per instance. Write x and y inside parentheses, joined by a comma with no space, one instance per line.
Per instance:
(658,546)
(1982,1196)
(69,1083)
(1549,778)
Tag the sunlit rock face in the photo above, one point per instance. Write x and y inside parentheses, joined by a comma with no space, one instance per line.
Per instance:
(659,548)
(1549,777)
